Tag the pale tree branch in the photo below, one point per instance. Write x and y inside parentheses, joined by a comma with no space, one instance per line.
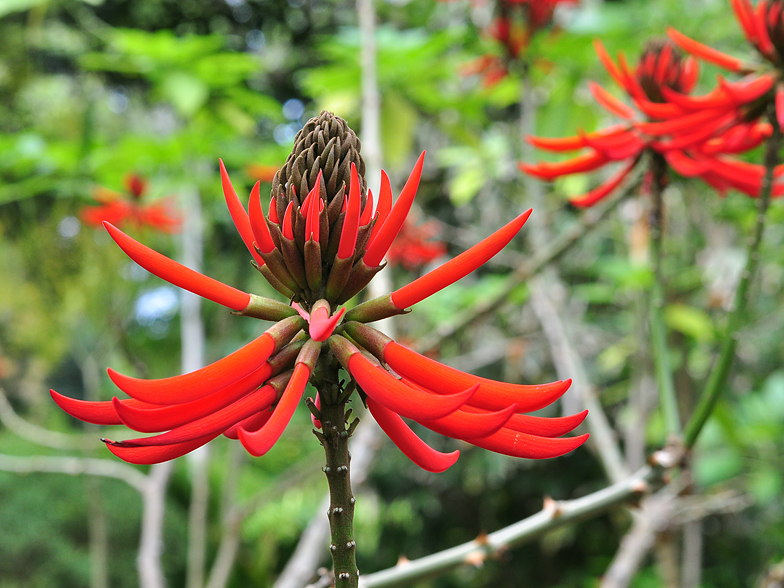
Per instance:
(148,560)
(74,466)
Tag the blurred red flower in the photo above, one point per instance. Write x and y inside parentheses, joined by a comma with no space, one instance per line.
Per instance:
(128,209)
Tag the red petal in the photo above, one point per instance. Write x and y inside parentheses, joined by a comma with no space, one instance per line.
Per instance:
(201,383)
(695,120)
(261,231)
(540,426)
(98,413)
(177,274)
(367,212)
(150,455)
(156,418)
(604,189)
(376,250)
(705,52)
(608,63)
(380,385)
(348,237)
(460,266)
(406,440)
(764,43)
(238,214)
(780,104)
(517,444)
(466,424)
(260,442)
(322,325)
(491,395)
(250,424)
(288,228)
(581,163)
(214,423)
(610,102)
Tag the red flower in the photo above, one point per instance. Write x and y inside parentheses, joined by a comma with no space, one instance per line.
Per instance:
(118,209)
(694,142)
(414,247)
(319,251)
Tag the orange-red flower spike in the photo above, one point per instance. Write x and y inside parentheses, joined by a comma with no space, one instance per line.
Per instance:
(238,214)
(177,274)
(376,250)
(407,441)
(517,444)
(214,377)
(260,442)
(151,455)
(98,413)
(215,422)
(348,237)
(707,53)
(458,267)
(157,418)
(257,222)
(601,191)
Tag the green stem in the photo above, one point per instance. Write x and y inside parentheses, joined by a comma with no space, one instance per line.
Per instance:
(334,436)
(661,357)
(721,370)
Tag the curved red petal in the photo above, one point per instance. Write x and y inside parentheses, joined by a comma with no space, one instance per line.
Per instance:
(96,412)
(260,442)
(177,274)
(216,422)
(458,267)
(238,214)
(407,441)
(250,424)
(603,190)
(412,403)
(491,395)
(261,231)
(703,51)
(610,102)
(151,455)
(539,426)
(383,207)
(201,383)
(348,237)
(466,424)
(517,444)
(156,418)
(383,239)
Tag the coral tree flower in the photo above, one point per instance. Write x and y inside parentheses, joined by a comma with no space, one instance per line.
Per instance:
(694,143)
(415,246)
(129,209)
(319,244)
(744,101)
(514,26)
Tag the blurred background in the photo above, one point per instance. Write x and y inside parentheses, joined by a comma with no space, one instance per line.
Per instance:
(127,105)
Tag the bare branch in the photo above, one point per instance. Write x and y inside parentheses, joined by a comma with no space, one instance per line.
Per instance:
(554,515)
(75,466)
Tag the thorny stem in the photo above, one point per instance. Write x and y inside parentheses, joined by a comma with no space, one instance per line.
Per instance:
(334,436)
(721,370)
(661,358)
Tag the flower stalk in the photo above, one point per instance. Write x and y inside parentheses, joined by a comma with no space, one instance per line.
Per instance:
(336,429)
(719,374)
(661,357)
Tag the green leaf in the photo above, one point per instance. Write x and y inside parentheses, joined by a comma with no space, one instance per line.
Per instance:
(186,92)
(10,6)
(692,322)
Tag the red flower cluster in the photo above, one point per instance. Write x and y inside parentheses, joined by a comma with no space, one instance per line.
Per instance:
(122,209)
(320,251)
(695,142)
(414,246)
(516,23)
